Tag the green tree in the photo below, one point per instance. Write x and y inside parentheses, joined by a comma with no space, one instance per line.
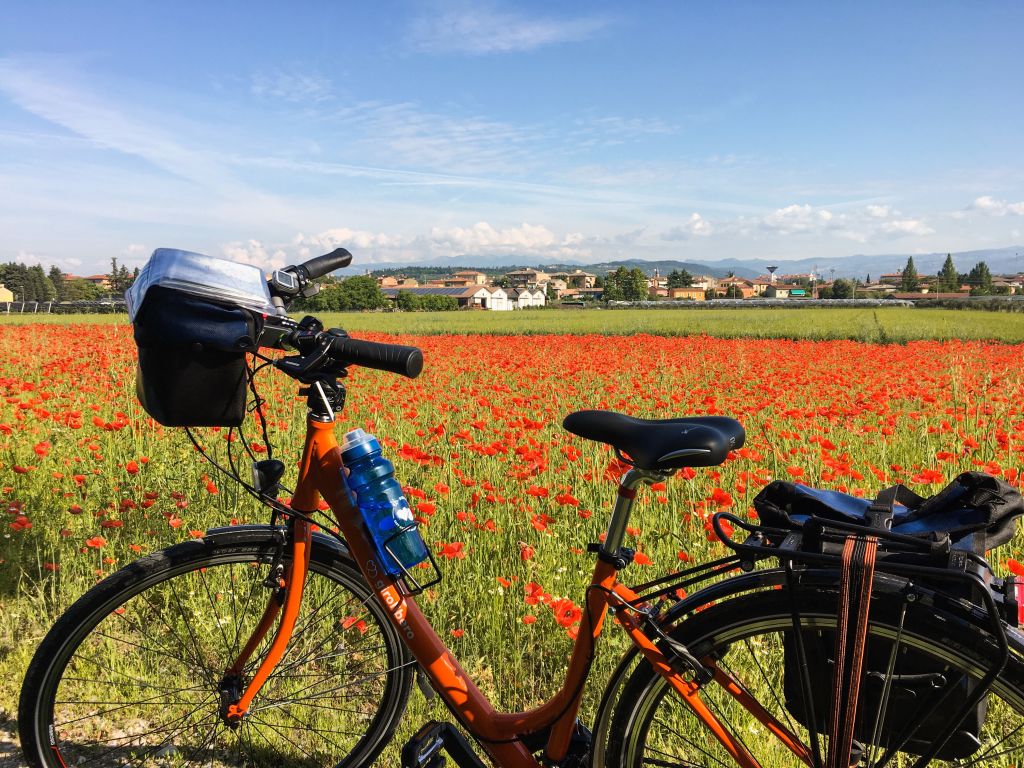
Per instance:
(634,287)
(15,277)
(407,302)
(980,280)
(359,293)
(842,289)
(42,286)
(614,285)
(680,278)
(949,280)
(909,282)
(59,281)
(432,303)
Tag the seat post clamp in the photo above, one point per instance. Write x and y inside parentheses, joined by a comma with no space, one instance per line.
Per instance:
(617,560)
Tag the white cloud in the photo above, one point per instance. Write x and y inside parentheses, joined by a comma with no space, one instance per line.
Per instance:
(799,219)
(695,226)
(872,222)
(900,227)
(482,29)
(344,237)
(990,206)
(878,211)
(255,253)
(482,237)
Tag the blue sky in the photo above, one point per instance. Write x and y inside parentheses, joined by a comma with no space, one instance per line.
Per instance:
(587,131)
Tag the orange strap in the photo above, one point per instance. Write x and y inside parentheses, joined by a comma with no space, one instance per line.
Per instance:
(856,576)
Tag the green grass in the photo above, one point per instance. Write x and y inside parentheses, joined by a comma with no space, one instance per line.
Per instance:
(895,324)
(861,324)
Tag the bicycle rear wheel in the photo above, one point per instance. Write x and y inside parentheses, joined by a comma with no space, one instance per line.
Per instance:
(130,675)
(747,637)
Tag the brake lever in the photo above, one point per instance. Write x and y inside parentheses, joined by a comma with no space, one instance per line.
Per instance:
(299,366)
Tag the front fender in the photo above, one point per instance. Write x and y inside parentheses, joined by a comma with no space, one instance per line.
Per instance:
(325,548)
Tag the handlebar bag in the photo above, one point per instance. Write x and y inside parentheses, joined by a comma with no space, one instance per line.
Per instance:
(192,368)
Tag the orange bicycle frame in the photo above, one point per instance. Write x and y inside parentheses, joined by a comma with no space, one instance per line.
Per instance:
(321,475)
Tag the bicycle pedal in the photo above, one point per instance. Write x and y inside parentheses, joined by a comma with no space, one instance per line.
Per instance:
(424,749)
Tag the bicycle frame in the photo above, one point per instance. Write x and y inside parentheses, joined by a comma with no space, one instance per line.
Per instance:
(321,475)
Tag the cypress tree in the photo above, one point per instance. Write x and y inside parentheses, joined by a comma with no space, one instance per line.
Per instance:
(909,283)
(949,280)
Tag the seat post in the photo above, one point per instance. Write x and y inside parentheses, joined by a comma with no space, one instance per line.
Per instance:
(624,505)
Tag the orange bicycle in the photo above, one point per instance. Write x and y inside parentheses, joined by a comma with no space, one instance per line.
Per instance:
(284,644)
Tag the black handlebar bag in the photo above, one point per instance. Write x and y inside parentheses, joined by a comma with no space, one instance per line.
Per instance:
(192,369)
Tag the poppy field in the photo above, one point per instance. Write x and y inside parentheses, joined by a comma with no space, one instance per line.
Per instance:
(507,500)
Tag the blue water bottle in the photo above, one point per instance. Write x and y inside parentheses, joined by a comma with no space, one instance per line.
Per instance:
(380,500)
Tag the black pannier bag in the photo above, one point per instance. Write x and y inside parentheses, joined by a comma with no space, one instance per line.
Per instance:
(977,512)
(192,367)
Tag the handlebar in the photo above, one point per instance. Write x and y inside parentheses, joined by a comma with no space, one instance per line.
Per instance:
(395,358)
(323,265)
(321,350)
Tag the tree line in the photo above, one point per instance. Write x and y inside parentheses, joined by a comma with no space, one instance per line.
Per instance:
(948,280)
(31,283)
(362,292)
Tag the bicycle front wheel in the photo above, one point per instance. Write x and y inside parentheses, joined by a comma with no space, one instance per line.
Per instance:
(132,673)
(910,665)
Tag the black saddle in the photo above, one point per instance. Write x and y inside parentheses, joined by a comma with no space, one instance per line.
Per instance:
(660,444)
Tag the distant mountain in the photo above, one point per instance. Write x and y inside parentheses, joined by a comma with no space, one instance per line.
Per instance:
(1000,261)
(1008,260)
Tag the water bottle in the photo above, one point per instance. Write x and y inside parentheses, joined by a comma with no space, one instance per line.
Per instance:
(381,502)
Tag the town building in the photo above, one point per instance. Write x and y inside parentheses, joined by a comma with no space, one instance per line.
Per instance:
(526,297)
(468,297)
(472,276)
(397,281)
(530,277)
(575,279)
(734,287)
(690,293)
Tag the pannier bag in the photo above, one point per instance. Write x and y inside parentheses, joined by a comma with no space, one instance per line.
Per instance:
(977,512)
(194,318)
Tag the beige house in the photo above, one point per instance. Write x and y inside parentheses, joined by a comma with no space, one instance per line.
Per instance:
(704,282)
(692,293)
(471,276)
(575,279)
(5,293)
(529,277)
(397,281)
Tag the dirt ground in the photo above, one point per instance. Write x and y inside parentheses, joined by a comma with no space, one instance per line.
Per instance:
(10,754)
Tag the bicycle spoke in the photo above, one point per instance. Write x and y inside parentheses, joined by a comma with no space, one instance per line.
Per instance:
(141,689)
(216,612)
(686,740)
(769,686)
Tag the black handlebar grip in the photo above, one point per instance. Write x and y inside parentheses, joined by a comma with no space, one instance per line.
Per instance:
(324,265)
(407,361)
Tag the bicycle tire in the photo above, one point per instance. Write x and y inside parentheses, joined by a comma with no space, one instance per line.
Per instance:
(155,637)
(651,726)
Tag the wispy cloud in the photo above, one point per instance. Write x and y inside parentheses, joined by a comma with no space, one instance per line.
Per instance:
(291,85)
(106,125)
(484,29)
